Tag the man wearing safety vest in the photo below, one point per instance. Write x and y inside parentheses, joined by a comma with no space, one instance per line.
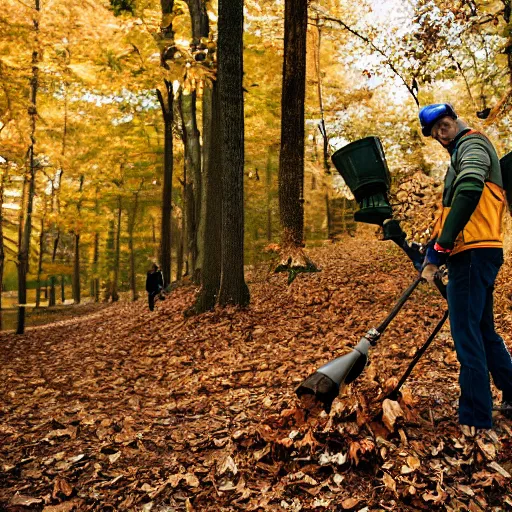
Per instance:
(468,237)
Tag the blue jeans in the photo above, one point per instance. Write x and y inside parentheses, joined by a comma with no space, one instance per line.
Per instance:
(479,348)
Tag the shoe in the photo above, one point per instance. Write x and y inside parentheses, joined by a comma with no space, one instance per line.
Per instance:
(506,409)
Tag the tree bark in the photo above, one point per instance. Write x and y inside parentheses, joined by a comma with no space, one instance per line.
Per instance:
(39,264)
(166,104)
(199,19)
(95,281)
(76,270)
(291,160)
(212,197)
(117,253)
(193,163)
(23,255)
(233,289)
(131,227)
(63,288)
(76,261)
(291,157)
(3,177)
(268,190)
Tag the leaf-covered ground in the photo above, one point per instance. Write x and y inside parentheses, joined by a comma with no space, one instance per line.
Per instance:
(130,410)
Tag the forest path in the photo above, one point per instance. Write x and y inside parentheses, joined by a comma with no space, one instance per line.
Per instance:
(131,410)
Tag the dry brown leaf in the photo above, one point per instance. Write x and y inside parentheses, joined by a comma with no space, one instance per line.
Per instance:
(65,506)
(24,501)
(389,481)
(391,411)
(413,462)
(61,486)
(350,503)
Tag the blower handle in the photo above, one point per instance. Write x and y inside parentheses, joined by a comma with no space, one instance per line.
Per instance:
(398,306)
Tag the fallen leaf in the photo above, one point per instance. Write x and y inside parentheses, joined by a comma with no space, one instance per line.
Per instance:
(389,481)
(61,486)
(228,466)
(65,506)
(494,465)
(24,501)
(391,411)
(114,457)
(349,503)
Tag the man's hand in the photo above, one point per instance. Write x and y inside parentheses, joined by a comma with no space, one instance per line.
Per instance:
(429,272)
(435,256)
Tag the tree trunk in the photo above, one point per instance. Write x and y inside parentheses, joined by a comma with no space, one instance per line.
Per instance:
(40,264)
(76,262)
(53,279)
(3,177)
(212,207)
(291,158)
(117,253)
(199,19)
(193,162)
(131,227)
(165,240)
(166,104)
(76,270)
(95,282)
(63,288)
(110,259)
(233,289)
(291,161)
(268,187)
(23,256)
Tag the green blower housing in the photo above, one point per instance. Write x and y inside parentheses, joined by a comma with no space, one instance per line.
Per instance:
(363,166)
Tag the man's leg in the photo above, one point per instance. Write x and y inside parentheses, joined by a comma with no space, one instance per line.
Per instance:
(466,301)
(498,357)
(151,301)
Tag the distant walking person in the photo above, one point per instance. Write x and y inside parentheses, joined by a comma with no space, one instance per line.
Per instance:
(154,284)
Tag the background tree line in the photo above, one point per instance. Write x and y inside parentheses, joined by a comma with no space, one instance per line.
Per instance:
(194,133)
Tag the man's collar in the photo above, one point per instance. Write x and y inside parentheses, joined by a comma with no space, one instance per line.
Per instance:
(453,144)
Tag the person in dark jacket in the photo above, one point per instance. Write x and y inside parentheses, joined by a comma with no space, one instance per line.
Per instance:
(154,285)
(468,237)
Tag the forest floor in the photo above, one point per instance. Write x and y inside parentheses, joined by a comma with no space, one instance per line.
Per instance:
(124,409)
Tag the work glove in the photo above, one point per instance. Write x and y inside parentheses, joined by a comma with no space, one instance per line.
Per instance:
(435,257)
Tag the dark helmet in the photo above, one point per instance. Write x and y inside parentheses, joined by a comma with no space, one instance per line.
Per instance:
(430,114)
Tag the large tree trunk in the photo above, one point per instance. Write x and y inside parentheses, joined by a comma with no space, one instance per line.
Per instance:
(291,158)
(212,206)
(200,31)
(233,289)
(166,103)
(23,255)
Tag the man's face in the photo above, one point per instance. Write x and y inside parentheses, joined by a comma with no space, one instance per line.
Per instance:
(445,130)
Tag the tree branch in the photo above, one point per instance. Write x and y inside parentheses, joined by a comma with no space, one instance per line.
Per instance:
(376,49)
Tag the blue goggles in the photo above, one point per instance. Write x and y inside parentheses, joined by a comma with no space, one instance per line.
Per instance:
(430,114)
